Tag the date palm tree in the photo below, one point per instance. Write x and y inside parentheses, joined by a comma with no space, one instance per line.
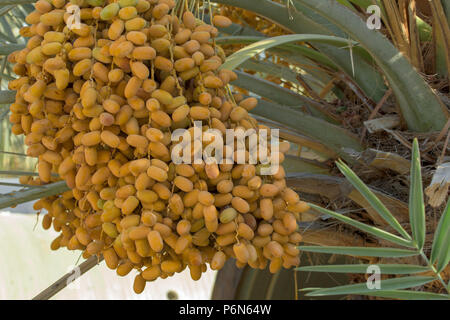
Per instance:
(337,89)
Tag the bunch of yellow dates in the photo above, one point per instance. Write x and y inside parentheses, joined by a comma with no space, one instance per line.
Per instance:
(98,99)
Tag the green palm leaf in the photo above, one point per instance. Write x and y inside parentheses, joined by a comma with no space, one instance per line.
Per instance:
(15,198)
(293,50)
(6,9)
(281,95)
(364,227)
(361,251)
(282,72)
(362,288)
(8,184)
(254,49)
(365,75)
(416,204)
(440,252)
(407,295)
(8,48)
(334,137)
(372,199)
(362,268)
(18,173)
(5,2)
(404,80)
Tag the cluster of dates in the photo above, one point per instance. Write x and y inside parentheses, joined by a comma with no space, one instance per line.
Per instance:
(98,100)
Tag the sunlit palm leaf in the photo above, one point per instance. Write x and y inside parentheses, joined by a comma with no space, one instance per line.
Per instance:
(257,48)
(293,49)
